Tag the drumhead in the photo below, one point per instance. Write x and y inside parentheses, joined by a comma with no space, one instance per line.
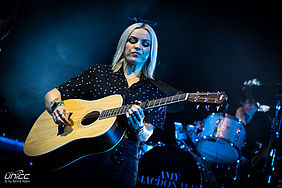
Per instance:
(169,166)
(218,150)
(222,138)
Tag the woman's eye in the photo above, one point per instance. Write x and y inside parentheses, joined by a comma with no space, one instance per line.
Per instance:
(146,44)
(132,40)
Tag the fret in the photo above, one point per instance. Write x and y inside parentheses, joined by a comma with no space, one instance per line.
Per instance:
(178,97)
(172,99)
(157,103)
(114,111)
(169,100)
(123,109)
(106,113)
(183,96)
(120,110)
(154,103)
(149,104)
(127,107)
(166,100)
(162,101)
(110,113)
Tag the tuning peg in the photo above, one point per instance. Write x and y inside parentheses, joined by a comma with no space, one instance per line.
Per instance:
(215,100)
(207,107)
(205,100)
(208,93)
(195,99)
(221,97)
(198,93)
(218,93)
(217,108)
(197,107)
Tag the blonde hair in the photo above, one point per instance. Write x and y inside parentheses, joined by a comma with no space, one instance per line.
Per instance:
(150,65)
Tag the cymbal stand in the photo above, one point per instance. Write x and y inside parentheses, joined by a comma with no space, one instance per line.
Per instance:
(271,161)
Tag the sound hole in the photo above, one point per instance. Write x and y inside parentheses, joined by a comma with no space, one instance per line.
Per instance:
(90,118)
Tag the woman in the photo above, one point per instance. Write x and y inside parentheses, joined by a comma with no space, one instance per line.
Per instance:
(131,76)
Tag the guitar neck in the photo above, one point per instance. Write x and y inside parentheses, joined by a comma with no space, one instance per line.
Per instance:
(207,97)
(145,105)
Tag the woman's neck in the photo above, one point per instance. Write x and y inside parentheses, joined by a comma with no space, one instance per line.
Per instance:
(131,70)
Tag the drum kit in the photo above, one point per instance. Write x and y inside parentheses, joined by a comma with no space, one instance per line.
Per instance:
(207,154)
(214,143)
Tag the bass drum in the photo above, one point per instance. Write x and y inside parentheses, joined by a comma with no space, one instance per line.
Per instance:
(170,166)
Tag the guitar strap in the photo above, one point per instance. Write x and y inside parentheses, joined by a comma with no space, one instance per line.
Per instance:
(170,91)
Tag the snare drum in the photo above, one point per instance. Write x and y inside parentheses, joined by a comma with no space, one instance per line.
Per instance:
(221,139)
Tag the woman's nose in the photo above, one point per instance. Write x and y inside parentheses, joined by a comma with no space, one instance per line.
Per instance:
(137,46)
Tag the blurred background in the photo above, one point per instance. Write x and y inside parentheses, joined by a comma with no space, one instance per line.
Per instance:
(203,46)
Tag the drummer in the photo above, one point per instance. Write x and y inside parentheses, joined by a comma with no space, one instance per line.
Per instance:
(257,122)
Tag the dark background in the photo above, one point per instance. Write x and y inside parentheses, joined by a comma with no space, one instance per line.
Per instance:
(202,47)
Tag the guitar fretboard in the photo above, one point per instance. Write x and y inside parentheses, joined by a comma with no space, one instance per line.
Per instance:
(145,105)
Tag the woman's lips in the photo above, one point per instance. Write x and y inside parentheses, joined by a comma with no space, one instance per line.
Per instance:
(135,53)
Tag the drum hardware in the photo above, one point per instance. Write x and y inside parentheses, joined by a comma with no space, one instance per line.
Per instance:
(186,135)
(238,130)
(214,131)
(207,107)
(226,174)
(274,142)
(182,145)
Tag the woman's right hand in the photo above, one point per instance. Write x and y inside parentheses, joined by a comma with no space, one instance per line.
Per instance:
(61,115)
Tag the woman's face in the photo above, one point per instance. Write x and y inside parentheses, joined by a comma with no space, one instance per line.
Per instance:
(137,48)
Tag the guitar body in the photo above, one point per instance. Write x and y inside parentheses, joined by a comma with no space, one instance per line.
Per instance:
(51,146)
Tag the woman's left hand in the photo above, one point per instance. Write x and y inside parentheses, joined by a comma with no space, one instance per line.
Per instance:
(135,116)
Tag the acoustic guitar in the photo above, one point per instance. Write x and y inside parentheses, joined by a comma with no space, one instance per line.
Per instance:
(93,128)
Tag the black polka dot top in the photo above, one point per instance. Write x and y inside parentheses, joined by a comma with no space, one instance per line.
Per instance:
(99,81)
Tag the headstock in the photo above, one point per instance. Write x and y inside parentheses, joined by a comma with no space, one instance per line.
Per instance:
(208,97)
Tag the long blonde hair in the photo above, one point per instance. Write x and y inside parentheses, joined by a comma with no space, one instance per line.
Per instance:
(150,65)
